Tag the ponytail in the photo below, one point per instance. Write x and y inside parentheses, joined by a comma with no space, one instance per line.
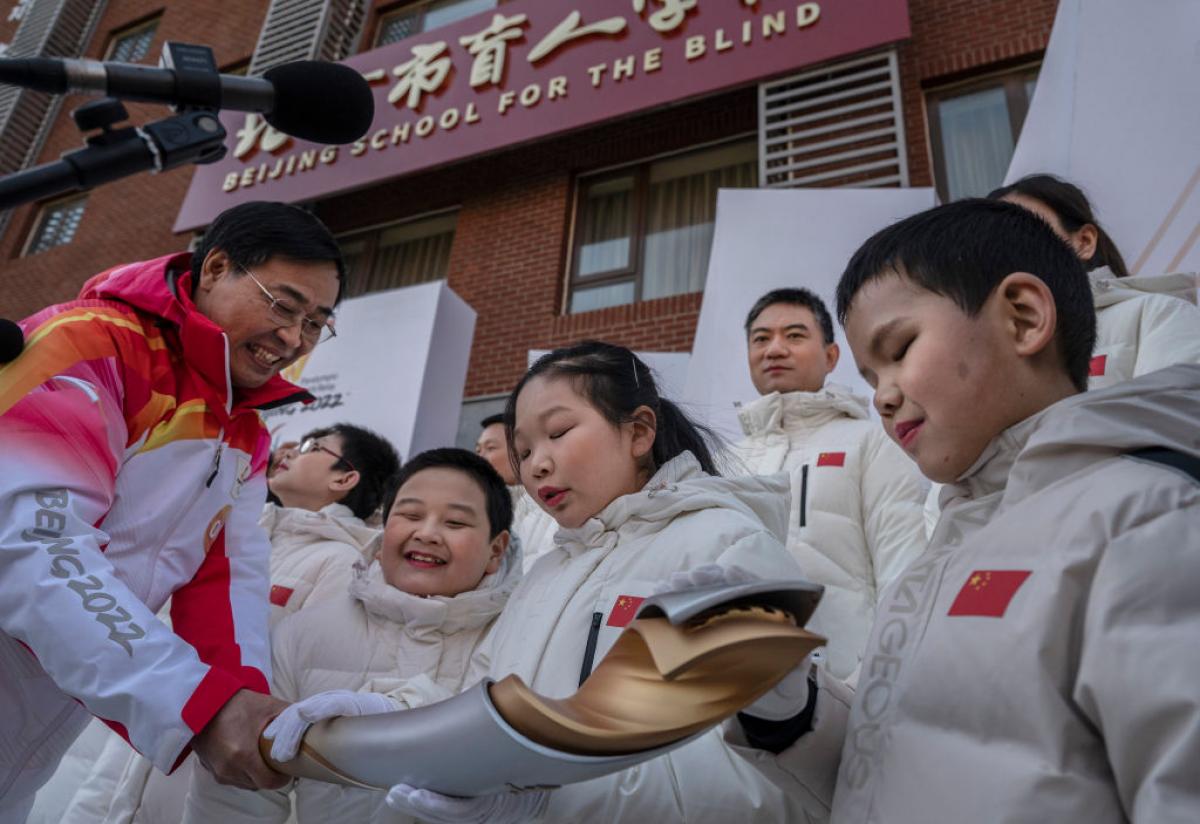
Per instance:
(1071,205)
(616,382)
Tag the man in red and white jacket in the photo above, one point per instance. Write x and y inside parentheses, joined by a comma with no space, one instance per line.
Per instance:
(132,470)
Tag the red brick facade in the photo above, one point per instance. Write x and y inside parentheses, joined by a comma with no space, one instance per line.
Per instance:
(510,253)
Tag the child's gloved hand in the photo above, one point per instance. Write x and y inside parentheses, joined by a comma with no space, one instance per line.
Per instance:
(498,808)
(790,695)
(290,725)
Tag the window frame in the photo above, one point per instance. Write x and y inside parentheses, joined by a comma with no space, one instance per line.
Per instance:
(43,214)
(397,9)
(131,30)
(1012,80)
(373,233)
(641,173)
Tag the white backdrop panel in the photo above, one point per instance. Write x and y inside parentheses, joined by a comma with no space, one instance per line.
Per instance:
(764,240)
(397,366)
(1117,111)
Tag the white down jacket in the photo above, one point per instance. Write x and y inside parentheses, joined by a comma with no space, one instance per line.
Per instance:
(312,554)
(1039,662)
(855,520)
(1142,324)
(681,519)
(377,638)
(533,525)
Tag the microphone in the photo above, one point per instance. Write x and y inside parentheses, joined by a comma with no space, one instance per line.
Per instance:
(309,99)
(12,340)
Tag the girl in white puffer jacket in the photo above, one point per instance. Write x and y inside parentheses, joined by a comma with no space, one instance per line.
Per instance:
(632,485)
(437,577)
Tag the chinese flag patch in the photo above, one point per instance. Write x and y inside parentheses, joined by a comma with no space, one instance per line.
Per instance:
(623,610)
(831,459)
(1096,366)
(988,592)
(280,595)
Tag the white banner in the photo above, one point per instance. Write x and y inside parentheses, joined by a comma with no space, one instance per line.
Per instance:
(397,366)
(767,239)
(1117,112)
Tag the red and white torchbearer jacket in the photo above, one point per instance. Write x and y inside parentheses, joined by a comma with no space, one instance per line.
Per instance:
(132,471)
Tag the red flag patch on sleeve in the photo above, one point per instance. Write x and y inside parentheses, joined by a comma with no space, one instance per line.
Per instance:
(1097,366)
(280,595)
(831,459)
(623,610)
(988,592)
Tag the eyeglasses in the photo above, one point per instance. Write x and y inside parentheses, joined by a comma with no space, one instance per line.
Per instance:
(285,315)
(313,445)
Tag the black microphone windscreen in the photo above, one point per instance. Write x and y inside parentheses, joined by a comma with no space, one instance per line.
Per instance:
(321,102)
(12,340)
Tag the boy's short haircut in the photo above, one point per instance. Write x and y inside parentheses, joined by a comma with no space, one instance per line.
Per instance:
(497,498)
(371,455)
(492,419)
(963,250)
(794,297)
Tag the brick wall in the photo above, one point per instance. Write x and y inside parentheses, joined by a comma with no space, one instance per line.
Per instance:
(510,251)
(132,218)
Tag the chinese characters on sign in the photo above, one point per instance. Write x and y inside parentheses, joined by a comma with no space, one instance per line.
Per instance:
(530,69)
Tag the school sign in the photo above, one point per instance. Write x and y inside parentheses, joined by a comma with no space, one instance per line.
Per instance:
(530,69)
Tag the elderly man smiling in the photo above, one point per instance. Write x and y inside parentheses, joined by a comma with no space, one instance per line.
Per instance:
(132,470)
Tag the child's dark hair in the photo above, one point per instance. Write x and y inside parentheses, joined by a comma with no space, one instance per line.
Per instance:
(1074,212)
(794,297)
(497,498)
(253,233)
(616,382)
(371,455)
(964,249)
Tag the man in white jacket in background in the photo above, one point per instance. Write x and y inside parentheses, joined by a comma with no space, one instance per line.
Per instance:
(531,524)
(856,513)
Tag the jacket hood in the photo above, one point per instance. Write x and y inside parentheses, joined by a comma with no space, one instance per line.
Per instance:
(1108,289)
(291,526)
(162,287)
(678,487)
(1160,409)
(446,614)
(776,412)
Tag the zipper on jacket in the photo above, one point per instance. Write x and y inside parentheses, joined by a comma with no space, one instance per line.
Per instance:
(803,493)
(589,652)
(216,460)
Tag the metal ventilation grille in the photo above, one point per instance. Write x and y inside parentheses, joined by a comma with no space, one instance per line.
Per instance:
(839,125)
(308,30)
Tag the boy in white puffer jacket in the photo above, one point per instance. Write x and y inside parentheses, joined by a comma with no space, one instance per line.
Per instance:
(438,576)
(856,499)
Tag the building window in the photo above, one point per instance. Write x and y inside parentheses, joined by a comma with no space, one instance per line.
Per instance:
(415,18)
(56,225)
(402,254)
(645,232)
(973,130)
(133,43)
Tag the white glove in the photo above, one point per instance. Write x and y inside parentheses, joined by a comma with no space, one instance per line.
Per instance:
(290,725)
(498,808)
(790,695)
